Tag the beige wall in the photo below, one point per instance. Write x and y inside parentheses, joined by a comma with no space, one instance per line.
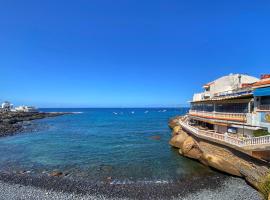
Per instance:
(225,83)
(230,82)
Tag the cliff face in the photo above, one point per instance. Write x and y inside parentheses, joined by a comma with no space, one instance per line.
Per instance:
(222,158)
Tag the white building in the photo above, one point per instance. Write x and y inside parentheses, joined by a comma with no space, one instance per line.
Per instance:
(233,110)
(26,109)
(6,106)
(225,86)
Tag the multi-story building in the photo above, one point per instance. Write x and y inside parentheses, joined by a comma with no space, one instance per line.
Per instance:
(233,110)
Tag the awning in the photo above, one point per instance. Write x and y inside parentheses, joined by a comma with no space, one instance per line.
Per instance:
(262,92)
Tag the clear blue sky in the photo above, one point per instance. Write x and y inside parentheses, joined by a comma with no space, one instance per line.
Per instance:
(126,53)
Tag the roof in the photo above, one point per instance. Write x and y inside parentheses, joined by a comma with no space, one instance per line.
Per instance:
(262,83)
(208,84)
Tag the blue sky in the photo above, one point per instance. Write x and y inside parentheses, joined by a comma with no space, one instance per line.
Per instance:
(127,53)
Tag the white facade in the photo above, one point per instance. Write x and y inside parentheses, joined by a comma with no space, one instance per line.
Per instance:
(26,109)
(224,86)
(6,106)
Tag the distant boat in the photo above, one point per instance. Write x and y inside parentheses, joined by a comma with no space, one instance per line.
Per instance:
(164,110)
(115,113)
(132,112)
(146,111)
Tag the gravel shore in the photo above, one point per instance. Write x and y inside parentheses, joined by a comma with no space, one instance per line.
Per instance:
(231,189)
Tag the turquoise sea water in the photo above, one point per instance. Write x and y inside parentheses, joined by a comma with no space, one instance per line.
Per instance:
(125,144)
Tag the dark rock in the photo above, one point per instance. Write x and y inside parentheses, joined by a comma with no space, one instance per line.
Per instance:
(11,123)
(57,174)
(156,137)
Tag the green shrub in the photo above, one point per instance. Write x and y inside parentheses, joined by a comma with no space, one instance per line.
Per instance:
(260,132)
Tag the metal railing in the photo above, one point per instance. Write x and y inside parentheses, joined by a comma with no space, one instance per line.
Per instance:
(236,92)
(226,138)
(257,140)
(219,115)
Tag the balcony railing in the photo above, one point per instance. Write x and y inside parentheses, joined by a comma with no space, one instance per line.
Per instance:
(264,107)
(241,117)
(246,142)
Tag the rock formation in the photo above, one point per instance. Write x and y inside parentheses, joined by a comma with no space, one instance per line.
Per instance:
(12,122)
(222,158)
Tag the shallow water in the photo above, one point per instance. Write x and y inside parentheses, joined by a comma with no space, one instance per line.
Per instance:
(128,145)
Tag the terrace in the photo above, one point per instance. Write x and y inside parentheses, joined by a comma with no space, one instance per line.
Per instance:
(253,143)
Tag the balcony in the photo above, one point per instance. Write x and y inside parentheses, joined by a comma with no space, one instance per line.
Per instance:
(239,117)
(245,143)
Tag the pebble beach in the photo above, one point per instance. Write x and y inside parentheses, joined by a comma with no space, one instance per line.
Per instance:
(231,189)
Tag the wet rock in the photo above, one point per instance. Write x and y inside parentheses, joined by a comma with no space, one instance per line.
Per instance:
(222,158)
(105,168)
(156,137)
(220,164)
(12,122)
(177,140)
(176,130)
(56,174)
(174,122)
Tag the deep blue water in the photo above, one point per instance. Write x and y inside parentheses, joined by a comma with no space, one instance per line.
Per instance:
(98,143)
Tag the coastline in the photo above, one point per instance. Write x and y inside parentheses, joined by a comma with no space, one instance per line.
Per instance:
(12,123)
(220,157)
(27,186)
(62,185)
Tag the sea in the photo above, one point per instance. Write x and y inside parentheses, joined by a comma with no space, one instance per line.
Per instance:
(125,145)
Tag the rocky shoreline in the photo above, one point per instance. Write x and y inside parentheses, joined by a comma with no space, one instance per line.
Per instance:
(34,186)
(12,123)
(221,158)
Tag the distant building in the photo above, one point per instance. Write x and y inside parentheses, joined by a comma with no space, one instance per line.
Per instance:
(6,106)
(26,109)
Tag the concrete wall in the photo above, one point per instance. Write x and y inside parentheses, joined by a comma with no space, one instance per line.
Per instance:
(230,82)
(225,83)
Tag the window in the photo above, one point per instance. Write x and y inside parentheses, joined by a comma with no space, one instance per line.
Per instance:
(265,100)
(232,107)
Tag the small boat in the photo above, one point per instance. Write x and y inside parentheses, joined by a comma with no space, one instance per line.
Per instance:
(146,112)
(132,112)
(115,113)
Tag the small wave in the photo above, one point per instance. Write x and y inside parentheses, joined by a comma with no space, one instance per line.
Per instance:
(129,182)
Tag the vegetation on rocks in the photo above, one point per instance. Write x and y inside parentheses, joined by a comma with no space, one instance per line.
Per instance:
(261,132)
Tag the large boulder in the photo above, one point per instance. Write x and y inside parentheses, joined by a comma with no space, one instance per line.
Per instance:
(194,153)
(220,164)
(177,140)
(174,122)
(188,144)
(191,149)
(176,130)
